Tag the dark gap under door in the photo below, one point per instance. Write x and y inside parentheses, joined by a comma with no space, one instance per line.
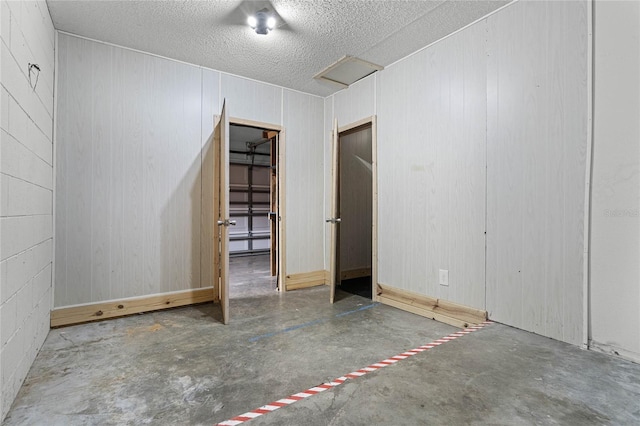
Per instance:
(359,286)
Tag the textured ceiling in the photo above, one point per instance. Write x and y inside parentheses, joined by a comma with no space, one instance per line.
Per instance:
(311,34)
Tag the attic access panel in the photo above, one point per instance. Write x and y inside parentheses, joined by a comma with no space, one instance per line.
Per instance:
(347,71)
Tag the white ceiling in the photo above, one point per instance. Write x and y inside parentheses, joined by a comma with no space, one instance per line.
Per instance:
(311,34)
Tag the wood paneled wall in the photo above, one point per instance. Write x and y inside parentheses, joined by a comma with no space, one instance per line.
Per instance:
(485,131)
(357,102)
(251,100)
(210,102)
(304,174)
(328,126)
(536,145)
(134,196)
(128,174)
(431,171)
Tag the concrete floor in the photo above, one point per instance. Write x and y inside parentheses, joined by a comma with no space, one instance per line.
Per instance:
(182,367)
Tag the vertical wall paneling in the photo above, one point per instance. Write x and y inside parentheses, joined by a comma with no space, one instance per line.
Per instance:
(60,201)
(486,130)
(573,55)
(252,100)
(210,99)
(326,143)
(101,176)
(356,102)
(615,208)
(172,165)
(304,178)
(134,208)
(129,168)
(431,111)
(536,139)
(131,67)
(74,157)
(116,188)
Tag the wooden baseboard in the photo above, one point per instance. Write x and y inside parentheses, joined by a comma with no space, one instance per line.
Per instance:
(437,309)
(355,273)
(305,279)
(117,308)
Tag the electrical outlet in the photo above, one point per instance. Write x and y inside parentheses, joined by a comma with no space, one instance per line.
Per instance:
(444,277)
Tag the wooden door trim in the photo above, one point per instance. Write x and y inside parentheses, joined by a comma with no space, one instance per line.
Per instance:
(282,204)
(335,170)
(257,124)
(374,207)
(223,173)
(356,124)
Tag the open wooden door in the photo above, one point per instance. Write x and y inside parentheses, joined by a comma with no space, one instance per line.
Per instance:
(221,205)
(272,135)
(334,220)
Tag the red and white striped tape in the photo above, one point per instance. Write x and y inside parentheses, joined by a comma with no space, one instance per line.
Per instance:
(340,380)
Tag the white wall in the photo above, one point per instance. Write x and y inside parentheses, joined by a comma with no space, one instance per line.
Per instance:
(356,103)
(327,160)
(251,99)
(210,107)
(26,190)
(128,173)
(134,170)
(537,116)
(615,208)
(486,130)
(431,169)
(302,119)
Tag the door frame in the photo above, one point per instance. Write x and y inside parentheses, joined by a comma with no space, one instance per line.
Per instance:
(374,188)
(334,220)
(281,182)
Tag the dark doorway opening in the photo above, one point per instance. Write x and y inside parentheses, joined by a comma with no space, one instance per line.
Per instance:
(355,207)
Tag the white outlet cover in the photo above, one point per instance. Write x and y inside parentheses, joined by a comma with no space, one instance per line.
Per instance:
(444,277)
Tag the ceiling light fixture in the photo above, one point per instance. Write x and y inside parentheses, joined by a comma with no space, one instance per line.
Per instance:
(262,22)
